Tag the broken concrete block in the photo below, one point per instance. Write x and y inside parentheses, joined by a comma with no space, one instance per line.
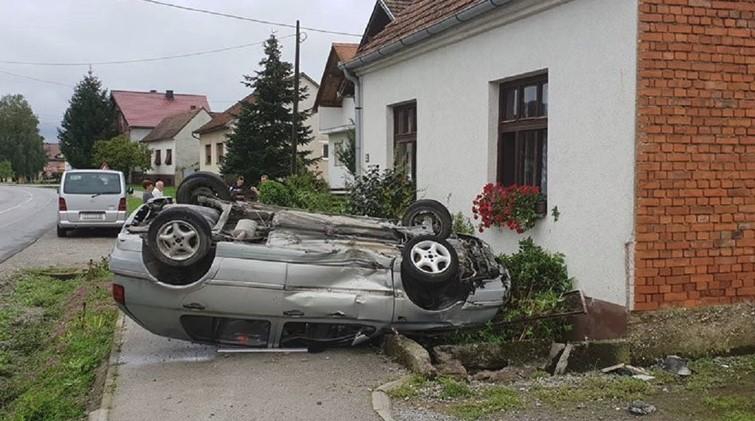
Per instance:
(505,375)
(485,356)
(641,408)
(563,360)
(676,365)
(592,355)
(410,354)
(447,365)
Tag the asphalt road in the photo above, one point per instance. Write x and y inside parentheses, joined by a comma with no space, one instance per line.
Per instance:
(26,213)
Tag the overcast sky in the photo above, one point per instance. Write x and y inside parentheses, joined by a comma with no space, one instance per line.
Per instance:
(109,30)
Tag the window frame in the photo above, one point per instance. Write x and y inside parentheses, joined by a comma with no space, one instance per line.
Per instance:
(158,157)
(408,137)
(520,126)
(168,156)
(219,152)
(208,156)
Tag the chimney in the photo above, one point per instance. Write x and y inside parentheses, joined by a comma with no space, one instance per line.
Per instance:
(169,95)
(192,107)
(153,91)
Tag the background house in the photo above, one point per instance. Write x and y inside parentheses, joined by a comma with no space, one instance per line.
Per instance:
(633,116)
(56,162)
(213,135)
(335,106)
(140,112)
(175,150)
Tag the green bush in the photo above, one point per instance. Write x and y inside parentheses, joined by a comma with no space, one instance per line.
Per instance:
(462,224)
(275,193)
(379,194)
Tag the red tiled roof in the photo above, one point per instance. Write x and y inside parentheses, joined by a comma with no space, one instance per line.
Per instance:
(397,6)
(345,52)
(415,17)
(170,126)
(53,152)
(148,109)
(220,121)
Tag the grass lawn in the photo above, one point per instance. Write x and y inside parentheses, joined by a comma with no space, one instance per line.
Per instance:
(54,335)
(135,201)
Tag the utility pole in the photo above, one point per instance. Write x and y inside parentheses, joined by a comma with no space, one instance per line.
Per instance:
(295,119)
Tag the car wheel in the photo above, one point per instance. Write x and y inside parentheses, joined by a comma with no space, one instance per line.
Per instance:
(429,213)
(429,260)
(202,184)
(179,237)
(62,232)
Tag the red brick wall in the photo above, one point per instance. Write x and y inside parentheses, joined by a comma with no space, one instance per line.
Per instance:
(695,216)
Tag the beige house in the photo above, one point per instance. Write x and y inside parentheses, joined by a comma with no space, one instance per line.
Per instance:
(213,135)
(174,148)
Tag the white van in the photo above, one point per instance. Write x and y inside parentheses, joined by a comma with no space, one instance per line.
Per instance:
(91,199)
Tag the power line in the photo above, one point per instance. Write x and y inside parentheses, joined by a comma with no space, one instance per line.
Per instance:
(36,79)
(266,22)
(139,60)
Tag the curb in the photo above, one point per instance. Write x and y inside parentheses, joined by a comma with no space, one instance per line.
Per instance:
(103,413)
(381,402)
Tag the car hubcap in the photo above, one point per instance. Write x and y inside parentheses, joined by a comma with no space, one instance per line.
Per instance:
(431,257)
(178,240)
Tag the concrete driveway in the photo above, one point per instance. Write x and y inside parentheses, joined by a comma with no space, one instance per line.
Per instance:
(163,379)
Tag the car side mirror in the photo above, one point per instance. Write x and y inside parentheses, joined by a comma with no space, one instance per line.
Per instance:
(130,190)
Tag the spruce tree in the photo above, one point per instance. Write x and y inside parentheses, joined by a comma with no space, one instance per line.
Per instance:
(90,117)
(261,142)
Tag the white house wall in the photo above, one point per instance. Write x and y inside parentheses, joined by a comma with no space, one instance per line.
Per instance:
(187,146)
(334,123)
(212,139)
(589,50)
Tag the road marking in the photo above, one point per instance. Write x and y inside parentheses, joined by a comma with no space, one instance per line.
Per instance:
(31,197)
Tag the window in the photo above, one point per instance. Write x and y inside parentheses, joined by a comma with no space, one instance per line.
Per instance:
(337,147)
(405,138)
(523,132)
(168,156)
(325,151)
(220,152)
(208,154)
(92,183)
(158,157)
(226,331)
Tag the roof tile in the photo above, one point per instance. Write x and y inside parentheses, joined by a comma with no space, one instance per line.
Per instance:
(148,109)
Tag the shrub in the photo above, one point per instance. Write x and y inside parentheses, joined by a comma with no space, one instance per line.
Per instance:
(462,224)
(275,193)
(379,194)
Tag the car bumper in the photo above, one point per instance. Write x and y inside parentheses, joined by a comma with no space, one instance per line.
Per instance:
(91,224)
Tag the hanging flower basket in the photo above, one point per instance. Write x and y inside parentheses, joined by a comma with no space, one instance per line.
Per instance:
(515,207)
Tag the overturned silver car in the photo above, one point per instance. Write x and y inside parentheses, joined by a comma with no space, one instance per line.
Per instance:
(210,270)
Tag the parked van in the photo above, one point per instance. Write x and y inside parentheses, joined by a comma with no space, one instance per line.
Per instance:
(91,199)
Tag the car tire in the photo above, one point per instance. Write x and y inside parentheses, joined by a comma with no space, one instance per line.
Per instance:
(418,213)
(62,232)
(202,184)
(179,237)
(429,260)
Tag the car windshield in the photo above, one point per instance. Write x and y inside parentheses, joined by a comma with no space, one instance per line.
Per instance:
(92,183)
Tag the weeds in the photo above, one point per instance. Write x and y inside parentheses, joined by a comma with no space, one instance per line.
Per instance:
(453,389)
(490,400)
(410,388)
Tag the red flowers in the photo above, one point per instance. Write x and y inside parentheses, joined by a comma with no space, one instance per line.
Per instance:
(512,207)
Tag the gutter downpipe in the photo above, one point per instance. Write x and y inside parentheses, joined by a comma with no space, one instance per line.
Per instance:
(353,78)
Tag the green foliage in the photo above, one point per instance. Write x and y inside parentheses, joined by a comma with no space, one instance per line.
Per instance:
(275,193)
(303,191)
(379,194)
(20,142)
(121,154)
(462,224)
(90,117)
(596,388)
(346,152)
(261,142)
(6,170)
(492,400)
(54,335)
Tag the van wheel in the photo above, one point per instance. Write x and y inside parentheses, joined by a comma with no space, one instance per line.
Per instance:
(62,232)
(202,184)
(429,213)
(429,260)
(179,237)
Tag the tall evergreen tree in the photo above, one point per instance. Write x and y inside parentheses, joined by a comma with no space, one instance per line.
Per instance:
(261,142)
(20,142)
(90,117)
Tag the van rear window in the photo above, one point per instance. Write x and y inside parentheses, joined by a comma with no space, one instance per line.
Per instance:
(92,183)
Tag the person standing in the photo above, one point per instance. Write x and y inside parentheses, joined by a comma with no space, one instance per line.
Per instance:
(159,189)
(149,187)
